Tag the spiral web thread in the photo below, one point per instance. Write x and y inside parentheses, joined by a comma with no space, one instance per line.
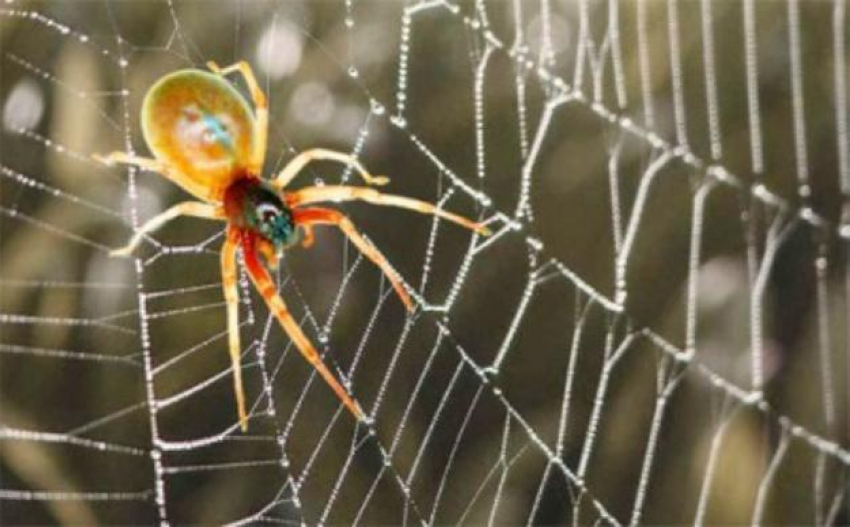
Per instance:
(590,74)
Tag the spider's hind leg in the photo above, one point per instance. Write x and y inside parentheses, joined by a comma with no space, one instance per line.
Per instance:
(261,108)
(187,208)
(124,158)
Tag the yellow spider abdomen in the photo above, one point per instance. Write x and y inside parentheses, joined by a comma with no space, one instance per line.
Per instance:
(198,124)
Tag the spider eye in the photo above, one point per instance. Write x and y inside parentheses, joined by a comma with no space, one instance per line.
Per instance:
(270,217)
(267,213)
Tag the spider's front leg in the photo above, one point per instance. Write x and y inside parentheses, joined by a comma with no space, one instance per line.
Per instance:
(266,287)
(231,297)
(337,193)
(317,216)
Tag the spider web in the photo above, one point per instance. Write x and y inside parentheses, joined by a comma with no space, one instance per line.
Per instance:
(655,333)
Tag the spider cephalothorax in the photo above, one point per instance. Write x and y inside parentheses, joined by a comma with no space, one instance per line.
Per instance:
(205,138)
(251,203)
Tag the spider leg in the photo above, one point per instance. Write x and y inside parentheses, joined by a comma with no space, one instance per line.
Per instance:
(333,217)
(267,250)
(231,296)
(187,208)
(153,165)
(309,237)
(261,108)
(301,160)
(144,163)
(268,291)
(343,193)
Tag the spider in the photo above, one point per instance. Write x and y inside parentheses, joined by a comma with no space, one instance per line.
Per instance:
(205,138)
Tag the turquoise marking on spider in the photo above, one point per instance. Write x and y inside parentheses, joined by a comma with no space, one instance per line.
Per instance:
(220,133)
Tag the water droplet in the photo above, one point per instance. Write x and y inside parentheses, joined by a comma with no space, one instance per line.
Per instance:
(377,108)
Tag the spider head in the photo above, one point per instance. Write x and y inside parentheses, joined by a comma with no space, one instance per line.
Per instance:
(273,221)
(255,205)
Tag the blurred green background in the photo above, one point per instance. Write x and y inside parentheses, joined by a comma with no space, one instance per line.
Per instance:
(76,326)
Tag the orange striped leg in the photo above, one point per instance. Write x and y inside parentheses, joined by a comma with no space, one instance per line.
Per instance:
(294,167)
(267,289)
(266,248)
(337,193)
(261,110)
(332,217)
(231,296)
